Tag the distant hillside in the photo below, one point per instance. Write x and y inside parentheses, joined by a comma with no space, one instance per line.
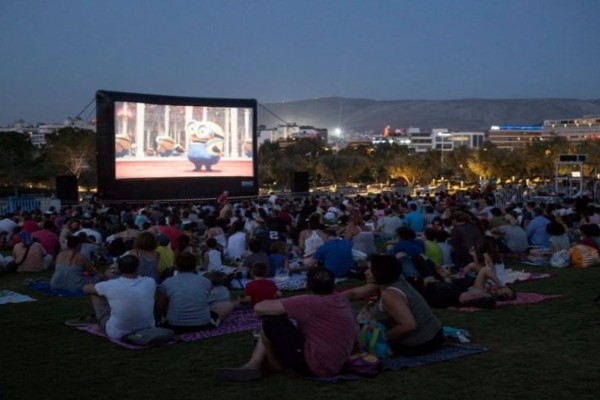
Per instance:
(365,115)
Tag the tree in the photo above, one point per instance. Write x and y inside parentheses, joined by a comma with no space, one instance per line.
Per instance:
(19,159)
(71,151)
(541,156)
(407,165)
(268,154)
(382,160)
(456,162)
(340,167)
(591,149)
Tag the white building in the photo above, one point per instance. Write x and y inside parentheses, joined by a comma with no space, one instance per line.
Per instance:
(420,141)
(443,139)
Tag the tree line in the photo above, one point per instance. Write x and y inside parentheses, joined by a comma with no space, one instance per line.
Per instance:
(72,151)
(386,162)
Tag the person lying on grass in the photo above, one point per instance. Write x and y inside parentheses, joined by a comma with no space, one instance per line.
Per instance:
(412,328)
(319,345)
(486,290)
(480,287)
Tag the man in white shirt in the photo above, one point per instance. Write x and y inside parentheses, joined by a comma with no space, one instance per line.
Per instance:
(87,226)
(126,304)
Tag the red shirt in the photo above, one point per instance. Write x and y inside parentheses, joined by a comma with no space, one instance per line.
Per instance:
(30,226)
(222,199)
(260,289)
(48,239)
(173,233)
(329,329)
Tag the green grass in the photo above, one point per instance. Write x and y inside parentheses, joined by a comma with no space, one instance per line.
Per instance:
(547,351)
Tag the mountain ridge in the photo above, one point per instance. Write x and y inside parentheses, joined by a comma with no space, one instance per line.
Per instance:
(477,114)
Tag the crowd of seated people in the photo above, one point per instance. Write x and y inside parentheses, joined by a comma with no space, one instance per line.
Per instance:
(435,251)
(366,222)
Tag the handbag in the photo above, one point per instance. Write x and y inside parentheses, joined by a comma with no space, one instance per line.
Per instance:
(363,364)
(12,265)
(373,339)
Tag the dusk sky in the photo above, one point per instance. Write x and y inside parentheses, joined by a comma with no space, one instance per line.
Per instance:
(55,54)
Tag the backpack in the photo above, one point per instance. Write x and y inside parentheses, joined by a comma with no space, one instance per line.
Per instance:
(373,339)
(560,259)
(312,242)
(583,256)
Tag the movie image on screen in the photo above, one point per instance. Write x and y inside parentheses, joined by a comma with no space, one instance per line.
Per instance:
(171,147)
(161,141)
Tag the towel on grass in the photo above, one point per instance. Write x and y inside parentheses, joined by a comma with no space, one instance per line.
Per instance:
(512,276)
(8,296)
(237,321)
(44,287)
(295,281)
(522,298)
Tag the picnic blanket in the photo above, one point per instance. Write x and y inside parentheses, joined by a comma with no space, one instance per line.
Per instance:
(95,329)
(522,298)
(8,296)
(237,321)
(44,287)
(449,351)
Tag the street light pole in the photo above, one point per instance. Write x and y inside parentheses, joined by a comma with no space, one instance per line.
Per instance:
(442,135)
(442,150)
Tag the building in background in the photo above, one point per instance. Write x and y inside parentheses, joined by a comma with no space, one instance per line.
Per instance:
(37,133)
(518,136)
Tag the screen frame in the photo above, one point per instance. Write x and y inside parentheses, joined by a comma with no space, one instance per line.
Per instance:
(173,188)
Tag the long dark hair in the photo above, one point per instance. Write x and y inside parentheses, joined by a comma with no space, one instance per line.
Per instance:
(385,268)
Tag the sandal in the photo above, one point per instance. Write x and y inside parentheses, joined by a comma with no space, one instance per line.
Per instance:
(237,374)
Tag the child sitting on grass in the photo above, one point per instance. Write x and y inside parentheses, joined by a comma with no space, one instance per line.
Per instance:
(260,288)
(219,292)
(279,259)
(212,256)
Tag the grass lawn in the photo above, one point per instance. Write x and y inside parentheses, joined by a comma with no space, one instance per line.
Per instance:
(548,350)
